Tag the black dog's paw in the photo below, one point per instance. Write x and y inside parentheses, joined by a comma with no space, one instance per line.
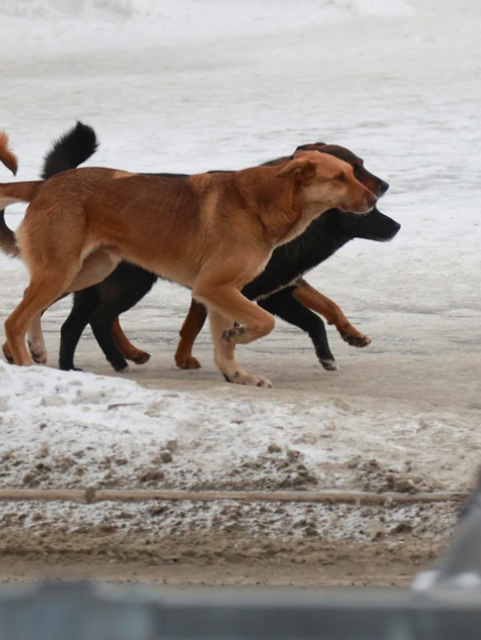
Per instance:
(329,365)
(122,369)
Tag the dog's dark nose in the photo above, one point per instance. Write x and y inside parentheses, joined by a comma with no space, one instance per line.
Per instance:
(393,229)
(384,186)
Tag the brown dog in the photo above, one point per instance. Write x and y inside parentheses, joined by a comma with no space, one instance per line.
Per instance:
(210,232)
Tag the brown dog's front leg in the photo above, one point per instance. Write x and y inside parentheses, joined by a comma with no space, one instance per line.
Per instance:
(191,328)
(226,305)
(224,354)
(128,350)
(327,308)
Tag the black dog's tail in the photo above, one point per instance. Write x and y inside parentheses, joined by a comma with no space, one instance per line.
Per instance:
(73,148)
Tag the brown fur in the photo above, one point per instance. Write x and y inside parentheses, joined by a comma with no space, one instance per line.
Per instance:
(193,323)
(211,232)
(128,350)
(310,297)
(332,312)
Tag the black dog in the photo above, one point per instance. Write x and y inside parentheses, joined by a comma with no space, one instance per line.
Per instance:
(274,289)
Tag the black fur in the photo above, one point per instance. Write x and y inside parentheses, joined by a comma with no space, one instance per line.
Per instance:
(72,149)
(100,304)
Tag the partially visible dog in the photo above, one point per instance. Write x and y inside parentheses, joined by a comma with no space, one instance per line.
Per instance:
(211,232)
(102,304)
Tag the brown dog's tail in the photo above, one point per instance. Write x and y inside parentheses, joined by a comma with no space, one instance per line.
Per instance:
(10,193)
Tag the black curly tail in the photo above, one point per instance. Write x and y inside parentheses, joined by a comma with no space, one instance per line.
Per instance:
(69,151)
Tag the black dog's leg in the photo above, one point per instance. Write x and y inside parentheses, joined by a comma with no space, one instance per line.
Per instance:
(120,292)
(85,302)
(284,305)
(101,322)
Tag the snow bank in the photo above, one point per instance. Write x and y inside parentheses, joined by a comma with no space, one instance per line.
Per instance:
(77,429)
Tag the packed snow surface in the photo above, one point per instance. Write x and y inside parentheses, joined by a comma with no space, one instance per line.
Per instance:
(190,86)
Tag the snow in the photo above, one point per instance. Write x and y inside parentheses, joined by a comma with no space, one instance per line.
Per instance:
(190,86)
(78,429)
(177,20)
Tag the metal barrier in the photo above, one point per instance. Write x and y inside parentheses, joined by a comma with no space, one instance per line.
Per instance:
(60,611)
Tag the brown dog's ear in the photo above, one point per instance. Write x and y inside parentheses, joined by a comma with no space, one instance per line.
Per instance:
(302,169)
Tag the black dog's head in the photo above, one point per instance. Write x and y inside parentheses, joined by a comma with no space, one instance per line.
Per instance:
(372,226)
(369,180)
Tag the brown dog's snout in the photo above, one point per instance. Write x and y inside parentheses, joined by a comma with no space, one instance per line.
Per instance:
(373,183)
(370,199)
(365,203)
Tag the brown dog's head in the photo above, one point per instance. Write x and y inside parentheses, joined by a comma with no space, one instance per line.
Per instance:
(369,180)
(328,182)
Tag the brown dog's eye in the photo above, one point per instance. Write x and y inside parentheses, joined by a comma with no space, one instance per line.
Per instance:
(340,177)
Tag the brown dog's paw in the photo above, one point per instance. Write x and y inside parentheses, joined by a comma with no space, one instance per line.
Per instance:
(140,357)
(38,353)
(188,363)
(7,353)
(249,380)
(39,358)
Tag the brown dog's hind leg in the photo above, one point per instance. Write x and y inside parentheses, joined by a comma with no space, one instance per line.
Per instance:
(36,342)
(127,349)
(42,292)
(35,339)
(193,323)
(312,299)
(44,288)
